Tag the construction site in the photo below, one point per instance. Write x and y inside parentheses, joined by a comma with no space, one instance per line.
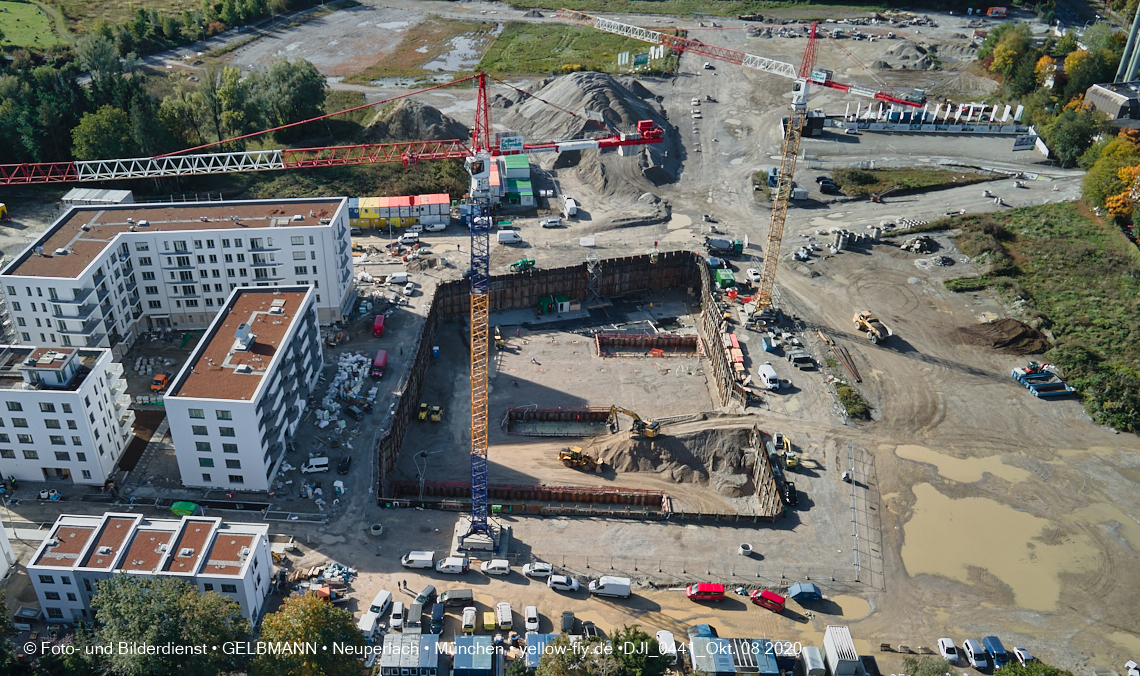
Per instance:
(669,354)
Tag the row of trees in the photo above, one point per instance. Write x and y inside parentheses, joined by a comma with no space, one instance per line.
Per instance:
(168,611)
(46,115)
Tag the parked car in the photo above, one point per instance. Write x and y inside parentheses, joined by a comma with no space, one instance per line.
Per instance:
(397,619)
(551,222)
(590,630)
(409,288)
(948,650)
(344,464)
(753,274)
(821,179)
(496,567)
(853,132)
(426,596)
(538,570)
(355,412)
(995,651)
(789,495)
(705,591)
(1022,656)
(974,654)
(567,621)
(562,583)
(530,618)
(380,602)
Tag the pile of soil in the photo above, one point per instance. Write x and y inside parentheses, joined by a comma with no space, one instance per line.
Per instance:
(621,108)
(906,55)
(410,120)
(718,457)
(1006,335)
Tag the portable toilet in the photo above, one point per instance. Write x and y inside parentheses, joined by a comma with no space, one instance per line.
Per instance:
(546,304)
(562,303)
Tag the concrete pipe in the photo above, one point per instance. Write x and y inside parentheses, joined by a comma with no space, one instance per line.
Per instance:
(745,549)
(376,529)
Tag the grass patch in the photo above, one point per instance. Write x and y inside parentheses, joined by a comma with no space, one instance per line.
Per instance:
(26,25)
(853,402)
(684,7)
(530,49)
(964,284)
(423,44)
(865,182)
(1081,280)
(81,16)
(367,180)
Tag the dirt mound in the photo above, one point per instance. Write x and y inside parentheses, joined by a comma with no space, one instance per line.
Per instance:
(410,120)
(583,92)
(953,52)
(966,85)
(717,457)
(1006,335)
(907,55)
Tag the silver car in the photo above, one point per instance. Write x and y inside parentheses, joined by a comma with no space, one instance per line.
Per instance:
(538,570)
(975,654)
(562,583)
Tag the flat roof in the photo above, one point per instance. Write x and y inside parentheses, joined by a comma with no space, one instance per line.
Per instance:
(194,536)
(70,541)
(219,368)
(225,557)
(13,358)
(106,222)
(147,549)
(112,535)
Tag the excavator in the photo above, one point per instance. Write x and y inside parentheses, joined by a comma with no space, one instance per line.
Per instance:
(641,428)
(877,331)
(574,458)
(500,344)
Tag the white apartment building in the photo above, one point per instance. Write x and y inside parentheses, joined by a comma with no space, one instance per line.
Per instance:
(7,556)
(99,276)
(242,392)
(64,414)
(231,559)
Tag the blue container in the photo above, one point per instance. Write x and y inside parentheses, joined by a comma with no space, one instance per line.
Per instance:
(435,351)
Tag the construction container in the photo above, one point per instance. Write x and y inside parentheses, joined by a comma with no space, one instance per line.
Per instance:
(839,649)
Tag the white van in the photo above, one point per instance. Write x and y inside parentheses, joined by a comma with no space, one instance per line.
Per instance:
(469,616)
(666,644)
(503,615)
(416,228)
(508,237)
(435,227)
(314,465)
(496,567)
(607,585)
(409,238)
(456,565)
(397,620)
(396,278)
(418,560)
(768,376)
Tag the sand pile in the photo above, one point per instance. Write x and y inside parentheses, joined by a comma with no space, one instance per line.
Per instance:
(1006,335)
(718,457)
(906,55)
(621,108)
(410,120)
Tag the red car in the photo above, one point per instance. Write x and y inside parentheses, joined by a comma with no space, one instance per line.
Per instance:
(767,599)
(705,591)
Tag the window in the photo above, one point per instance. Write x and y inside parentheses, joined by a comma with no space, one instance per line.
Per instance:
(197,413)
(21,322)
(57,441)
(86,474)
(147,276)
(180,246)
(19,422)
(31,455)
(55,613)
(24,439)
(241,258)
(185,276)
(313,255)
(200,430)
(144,260)
(47,579)
(237,242)
(225,243)
(223,415)
(226,431)
(51,596)
(202,446)
(65,579)
(208,587)
(188,290)
(201,259)
(15,406)
(236,479)
(205,462)
(209,302)
(76,441)
(298,255)
(297,241)
(67,408)
(154,304)
(209,244)
(301,270)
(81,457)
(241,272)
(229,448)
(229,588)
(47,407)
(51,424)
(182,261)
(151,290)
(4,438)
(70,596)
(197,244)
(62,456)
(229,272)
(191,303)
(7,453)
(11,291)
(233,464)
(142,246)
(206,478)
(25,336)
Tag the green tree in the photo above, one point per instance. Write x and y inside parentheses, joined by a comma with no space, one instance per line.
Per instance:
(638,652)
(308,619)
(1066,45)
(1103,179)
(163,610)
(7,648)
(103,135)
(518,668)
(72,663)
(591,658)
(1071,132)
(97,56)
(1102,36)
(292,91)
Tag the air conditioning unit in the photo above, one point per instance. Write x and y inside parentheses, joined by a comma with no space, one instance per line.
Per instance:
(104,550)
(186,551)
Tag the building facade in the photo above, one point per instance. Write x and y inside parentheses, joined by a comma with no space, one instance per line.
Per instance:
(243,391)
(64,414)
(99,276)
(7,556)
(231,559)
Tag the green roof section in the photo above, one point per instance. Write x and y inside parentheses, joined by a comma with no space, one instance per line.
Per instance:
(516,161)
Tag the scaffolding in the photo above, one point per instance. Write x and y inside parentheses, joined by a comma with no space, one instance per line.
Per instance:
(593,278)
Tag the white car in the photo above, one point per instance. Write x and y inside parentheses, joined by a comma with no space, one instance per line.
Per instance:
(666,644)
(753,274)
(697,116)
(380,602)
(1022,656)
(550,222)
(975,655)
(538,570)
(708,66)
(530,613)
(562,583)
(409,288)
(397,620)
(948,650)
(496,567)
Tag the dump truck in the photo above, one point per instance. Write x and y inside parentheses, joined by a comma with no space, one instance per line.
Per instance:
(877,332)
(574,458)
(722,247)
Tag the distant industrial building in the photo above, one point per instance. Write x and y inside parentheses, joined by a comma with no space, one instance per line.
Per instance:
(243,390)
(66,414)
(1119,100)
(99,276)
(231,559)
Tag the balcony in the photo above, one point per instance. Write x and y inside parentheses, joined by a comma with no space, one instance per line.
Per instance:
(114,371)
(95,339)
(122,402)
(102,293)
(132,284)
(80,296)
(100,278)
(83,312)
(87,327)
(136,312)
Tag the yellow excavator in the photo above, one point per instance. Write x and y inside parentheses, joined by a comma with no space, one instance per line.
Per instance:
(574,458)
(641,428)
(500,344)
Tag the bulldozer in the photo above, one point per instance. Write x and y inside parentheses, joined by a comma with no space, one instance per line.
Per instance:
(641,428)
(574,458)
(877,332)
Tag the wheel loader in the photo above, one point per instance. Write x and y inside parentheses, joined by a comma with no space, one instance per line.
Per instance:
(574,458)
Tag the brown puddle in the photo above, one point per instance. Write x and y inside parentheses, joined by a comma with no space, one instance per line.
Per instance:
(966,470)
(947,537)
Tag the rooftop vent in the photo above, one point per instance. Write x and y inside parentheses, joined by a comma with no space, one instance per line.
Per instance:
(61,252)
(243,368)
(104,550)
(204,219)
(276,310)
(162,548)
(298,217)
(130,220)
(51,542)
(244,552)
(186,551)
(85,227)
(244,337)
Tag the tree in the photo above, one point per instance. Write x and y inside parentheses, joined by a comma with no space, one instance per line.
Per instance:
(103,135)
(1066,45)
(638,652)
(292,91)
(98,57)
(7,648)
(164,610)
(1102,36)
(1084,69)
(309,619)
(1045,67)
(1103,180)
(591,658)
(1071,132)
(518,668)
